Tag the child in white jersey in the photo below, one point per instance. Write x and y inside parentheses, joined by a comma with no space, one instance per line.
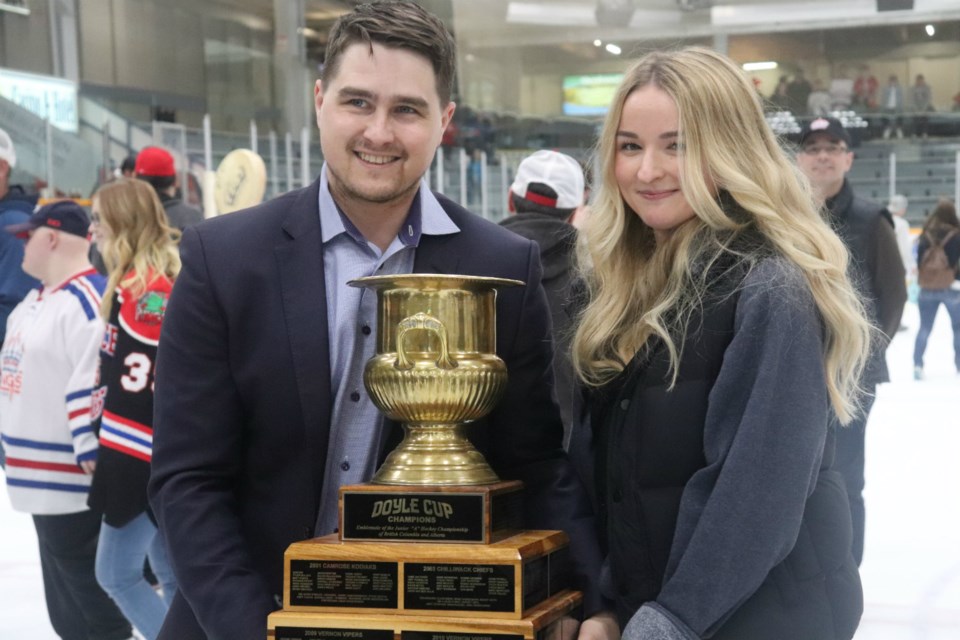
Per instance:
(47,369)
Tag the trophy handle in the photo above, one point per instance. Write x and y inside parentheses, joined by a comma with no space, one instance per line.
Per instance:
(424,322)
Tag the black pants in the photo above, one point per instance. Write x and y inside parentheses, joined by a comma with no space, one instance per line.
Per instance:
(849,462)
(79,609)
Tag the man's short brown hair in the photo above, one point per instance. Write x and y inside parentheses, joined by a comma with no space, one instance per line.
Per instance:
(399,25)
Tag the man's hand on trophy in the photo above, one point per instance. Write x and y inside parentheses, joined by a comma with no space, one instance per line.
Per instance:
(602,626)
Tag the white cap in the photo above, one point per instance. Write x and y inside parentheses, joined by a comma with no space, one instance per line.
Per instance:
(558,171)
(7,152)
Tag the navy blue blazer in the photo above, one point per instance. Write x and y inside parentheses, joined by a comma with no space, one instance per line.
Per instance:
(243,405)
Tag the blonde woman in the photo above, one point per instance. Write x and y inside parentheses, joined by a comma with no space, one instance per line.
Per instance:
(721,339)
(140,250)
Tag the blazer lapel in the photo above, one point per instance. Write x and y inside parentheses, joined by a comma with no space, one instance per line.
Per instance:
(303,294)
(434,255)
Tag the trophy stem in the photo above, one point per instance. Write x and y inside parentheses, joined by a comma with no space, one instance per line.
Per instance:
(435,454)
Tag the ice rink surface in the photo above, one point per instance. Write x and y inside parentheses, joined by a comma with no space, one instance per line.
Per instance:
(911,569)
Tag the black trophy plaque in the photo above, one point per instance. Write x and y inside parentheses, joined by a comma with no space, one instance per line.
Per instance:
(324,583)
(386,513)
(459,587)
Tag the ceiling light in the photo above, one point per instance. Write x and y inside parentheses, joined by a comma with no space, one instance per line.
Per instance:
(597,43)
(612,48)
(552,13)
(759,66)
(15,6)
(930,30)
(741,13)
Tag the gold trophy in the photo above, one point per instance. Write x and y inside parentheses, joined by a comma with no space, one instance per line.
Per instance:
(432,549)
(435,370)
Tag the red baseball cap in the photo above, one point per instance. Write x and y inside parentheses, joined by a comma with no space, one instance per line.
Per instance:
(154,161)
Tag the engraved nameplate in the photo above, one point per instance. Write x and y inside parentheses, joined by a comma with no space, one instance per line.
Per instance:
(330,583)
(382,513)
(460,587)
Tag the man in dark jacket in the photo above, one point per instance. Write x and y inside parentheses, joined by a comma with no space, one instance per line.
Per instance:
(868,232)
(546,192)
(155,165)
(15,207)
(260,411)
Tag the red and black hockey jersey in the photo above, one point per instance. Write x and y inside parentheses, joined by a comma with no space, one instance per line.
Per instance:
(123,402)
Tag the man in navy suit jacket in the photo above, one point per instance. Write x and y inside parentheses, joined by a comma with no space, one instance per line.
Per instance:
(255,386)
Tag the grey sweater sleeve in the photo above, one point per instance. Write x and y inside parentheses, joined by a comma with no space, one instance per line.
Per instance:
(764,435)
(653,622)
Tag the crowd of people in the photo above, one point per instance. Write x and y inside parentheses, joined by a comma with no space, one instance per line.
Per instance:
(76,397)
(894,107)
(692,357)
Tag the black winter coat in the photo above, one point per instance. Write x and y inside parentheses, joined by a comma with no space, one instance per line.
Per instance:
(875,268)
(557,241)
(716,496)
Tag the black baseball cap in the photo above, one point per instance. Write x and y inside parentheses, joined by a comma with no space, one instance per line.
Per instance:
(830,126)
(63,215)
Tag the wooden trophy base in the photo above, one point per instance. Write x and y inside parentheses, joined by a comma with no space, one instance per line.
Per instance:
(553,619)
(505,579)
(401,513)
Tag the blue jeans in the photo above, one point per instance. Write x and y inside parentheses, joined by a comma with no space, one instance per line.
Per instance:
(120,555)
(929,301)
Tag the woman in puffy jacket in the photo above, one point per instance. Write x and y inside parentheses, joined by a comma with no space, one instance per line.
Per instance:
(721,340)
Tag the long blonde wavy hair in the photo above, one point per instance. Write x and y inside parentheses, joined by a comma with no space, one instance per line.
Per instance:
(639,289)
(139,242)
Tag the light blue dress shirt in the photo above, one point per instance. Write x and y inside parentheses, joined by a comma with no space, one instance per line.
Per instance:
(356,426)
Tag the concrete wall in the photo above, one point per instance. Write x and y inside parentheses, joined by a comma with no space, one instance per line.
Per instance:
(25,40)
(191,57)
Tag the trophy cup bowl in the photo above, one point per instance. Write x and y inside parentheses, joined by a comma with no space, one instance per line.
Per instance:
(435,370)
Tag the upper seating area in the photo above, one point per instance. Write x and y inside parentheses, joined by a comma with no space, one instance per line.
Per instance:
(925,171)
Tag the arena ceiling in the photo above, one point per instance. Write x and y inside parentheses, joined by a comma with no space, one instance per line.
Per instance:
(564,24)
(559,30)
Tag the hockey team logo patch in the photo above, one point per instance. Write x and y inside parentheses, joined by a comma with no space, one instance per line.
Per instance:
(97,400)
(11,374)
(819,124)
(150,308)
